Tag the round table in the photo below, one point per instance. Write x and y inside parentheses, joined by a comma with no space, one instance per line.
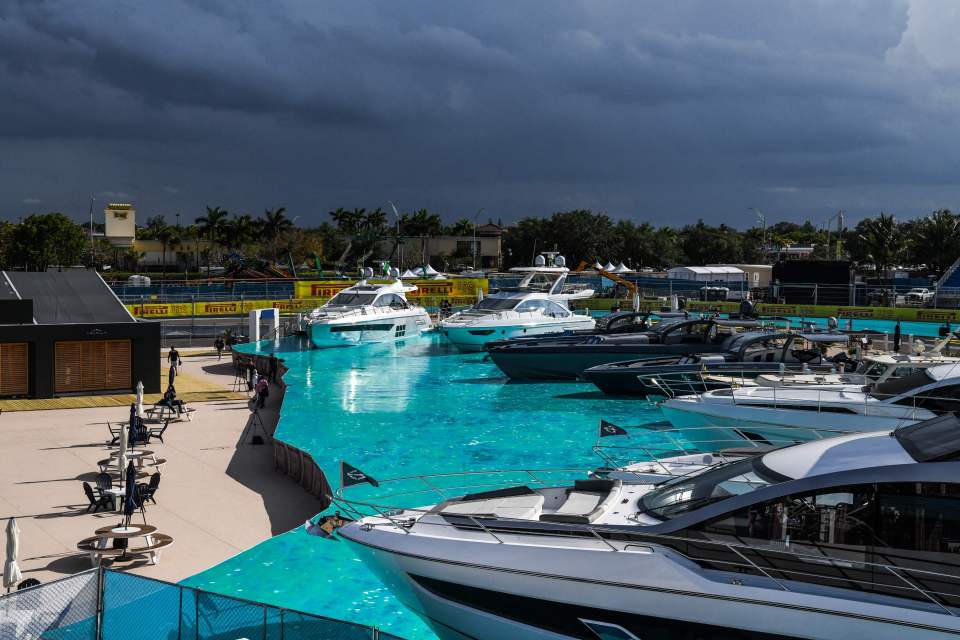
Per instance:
(133,531)
(133,453)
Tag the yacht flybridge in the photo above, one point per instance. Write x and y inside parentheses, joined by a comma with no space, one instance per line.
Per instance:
(848,537)
(804,411)
(367,313)
(538,304)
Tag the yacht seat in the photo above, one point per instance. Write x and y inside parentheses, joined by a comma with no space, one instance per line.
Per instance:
(580,503)
(525,507)
(583,507)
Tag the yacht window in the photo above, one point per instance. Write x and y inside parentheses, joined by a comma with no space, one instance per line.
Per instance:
(897,386)
(532,305)
(351,299)
(391,300)
(497,304)
(921,517)
(551,308)
(875,370)
(938,399)
(688,493)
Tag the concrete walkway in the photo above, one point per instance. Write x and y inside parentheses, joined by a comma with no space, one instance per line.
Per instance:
(217,496)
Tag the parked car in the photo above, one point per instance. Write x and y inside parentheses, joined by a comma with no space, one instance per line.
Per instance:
(919,297)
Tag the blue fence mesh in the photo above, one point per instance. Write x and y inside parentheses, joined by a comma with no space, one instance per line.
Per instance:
(132,607)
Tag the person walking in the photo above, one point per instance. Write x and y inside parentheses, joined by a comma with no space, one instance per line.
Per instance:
(173,357)
(218,344)
(254,378)
(272,366)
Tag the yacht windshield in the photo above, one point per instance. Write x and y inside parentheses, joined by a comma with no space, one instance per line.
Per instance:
(496,304)
(687,493)
(351,299)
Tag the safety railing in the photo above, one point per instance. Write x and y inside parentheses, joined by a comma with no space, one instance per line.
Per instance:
(101,604)
(781,564)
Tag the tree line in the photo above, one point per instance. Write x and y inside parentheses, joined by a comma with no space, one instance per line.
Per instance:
(351,237)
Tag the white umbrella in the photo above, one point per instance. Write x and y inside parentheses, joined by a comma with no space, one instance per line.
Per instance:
(140,399)
(609,267)
(11,572)
(122,454)
(636,301)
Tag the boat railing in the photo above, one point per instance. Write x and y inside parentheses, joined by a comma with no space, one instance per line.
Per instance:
(784,564)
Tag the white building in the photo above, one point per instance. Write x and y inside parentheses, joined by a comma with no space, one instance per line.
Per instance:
(709,274)
(757,275)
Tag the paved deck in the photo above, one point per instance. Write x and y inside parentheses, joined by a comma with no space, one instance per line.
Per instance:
(217,496)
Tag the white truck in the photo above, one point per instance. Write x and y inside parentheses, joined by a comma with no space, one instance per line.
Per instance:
(919,297)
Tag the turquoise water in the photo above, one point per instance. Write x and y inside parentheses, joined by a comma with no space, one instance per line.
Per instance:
(398,410)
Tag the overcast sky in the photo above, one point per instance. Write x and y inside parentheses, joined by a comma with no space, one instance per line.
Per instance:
(658,111)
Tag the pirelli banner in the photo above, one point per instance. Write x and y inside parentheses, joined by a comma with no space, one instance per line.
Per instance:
(449,288)
(825,311)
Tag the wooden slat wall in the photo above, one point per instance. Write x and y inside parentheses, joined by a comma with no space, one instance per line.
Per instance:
(14,369)
(92,365)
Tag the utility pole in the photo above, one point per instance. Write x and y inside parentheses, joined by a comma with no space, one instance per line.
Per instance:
(91,232)
(762,219)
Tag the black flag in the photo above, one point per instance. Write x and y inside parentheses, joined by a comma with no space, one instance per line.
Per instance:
(350,475)
(610,429)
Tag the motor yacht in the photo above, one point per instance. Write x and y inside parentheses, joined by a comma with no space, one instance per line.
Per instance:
(807,412)
(847,537)
(367,313)
(747,356)
(566,358)
(539,304)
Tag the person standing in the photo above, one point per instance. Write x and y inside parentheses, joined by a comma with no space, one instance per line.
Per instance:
(254,378)
(272,366)
(263,390)
(173,357)
(896,338)
(218,345)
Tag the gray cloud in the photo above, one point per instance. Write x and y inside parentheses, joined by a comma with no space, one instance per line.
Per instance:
(656,111)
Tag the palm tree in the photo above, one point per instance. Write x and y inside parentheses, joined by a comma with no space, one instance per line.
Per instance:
(212,226)
(936,240)
(275,224)
(883,241)
(240,230)
(168,236)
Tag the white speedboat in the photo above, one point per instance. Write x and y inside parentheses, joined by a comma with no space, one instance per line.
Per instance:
(806,411)
(537,306)
(848,537)
(367,313)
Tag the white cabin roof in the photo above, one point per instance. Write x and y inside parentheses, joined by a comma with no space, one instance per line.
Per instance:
(844,453)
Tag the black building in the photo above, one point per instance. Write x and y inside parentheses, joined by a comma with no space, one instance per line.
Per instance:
(813,282)
(64,333)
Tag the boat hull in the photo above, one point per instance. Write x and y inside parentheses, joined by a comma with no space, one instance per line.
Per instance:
(367,331)
(485,591)
(474,338)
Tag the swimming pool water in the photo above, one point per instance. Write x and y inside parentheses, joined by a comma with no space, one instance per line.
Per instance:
(397,410)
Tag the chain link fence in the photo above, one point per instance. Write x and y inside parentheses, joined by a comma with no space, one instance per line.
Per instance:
(102,604)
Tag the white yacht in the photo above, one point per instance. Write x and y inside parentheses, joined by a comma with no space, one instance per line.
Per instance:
(848,537)
(805,411)
(367,313)
(538,305)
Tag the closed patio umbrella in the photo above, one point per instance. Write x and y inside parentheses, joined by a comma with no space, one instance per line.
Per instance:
(140,399)
(171,374)
(130,493)
(132,428)
(122,454)
(11,571)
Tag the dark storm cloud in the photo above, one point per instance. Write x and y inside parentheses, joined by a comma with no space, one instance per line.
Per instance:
(662,111)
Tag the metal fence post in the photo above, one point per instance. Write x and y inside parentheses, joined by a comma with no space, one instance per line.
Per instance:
(180,615)
(100,586)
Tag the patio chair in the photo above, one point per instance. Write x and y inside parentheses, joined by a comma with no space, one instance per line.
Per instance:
(114,433)
(97,502)
(141,437)
(154,432)
(104,481)
(147,491)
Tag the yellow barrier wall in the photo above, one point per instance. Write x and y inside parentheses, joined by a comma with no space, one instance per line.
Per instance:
(425,288)
(914,314)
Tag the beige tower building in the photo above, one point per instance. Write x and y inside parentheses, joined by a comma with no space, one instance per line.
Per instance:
(120,224)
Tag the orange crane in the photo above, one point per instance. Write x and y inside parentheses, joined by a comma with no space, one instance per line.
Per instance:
(631,287)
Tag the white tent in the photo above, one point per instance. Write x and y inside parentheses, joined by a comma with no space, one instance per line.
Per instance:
(439,276)
(408,274)
(621,268)
(418,272)
(609,267)
(597,265)
(430,271)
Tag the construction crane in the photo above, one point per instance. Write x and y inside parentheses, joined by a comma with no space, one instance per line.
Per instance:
(839,218)
(631,287)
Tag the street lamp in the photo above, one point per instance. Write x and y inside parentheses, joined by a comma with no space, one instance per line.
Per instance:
(475,216)
(763,229)
(399,244)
